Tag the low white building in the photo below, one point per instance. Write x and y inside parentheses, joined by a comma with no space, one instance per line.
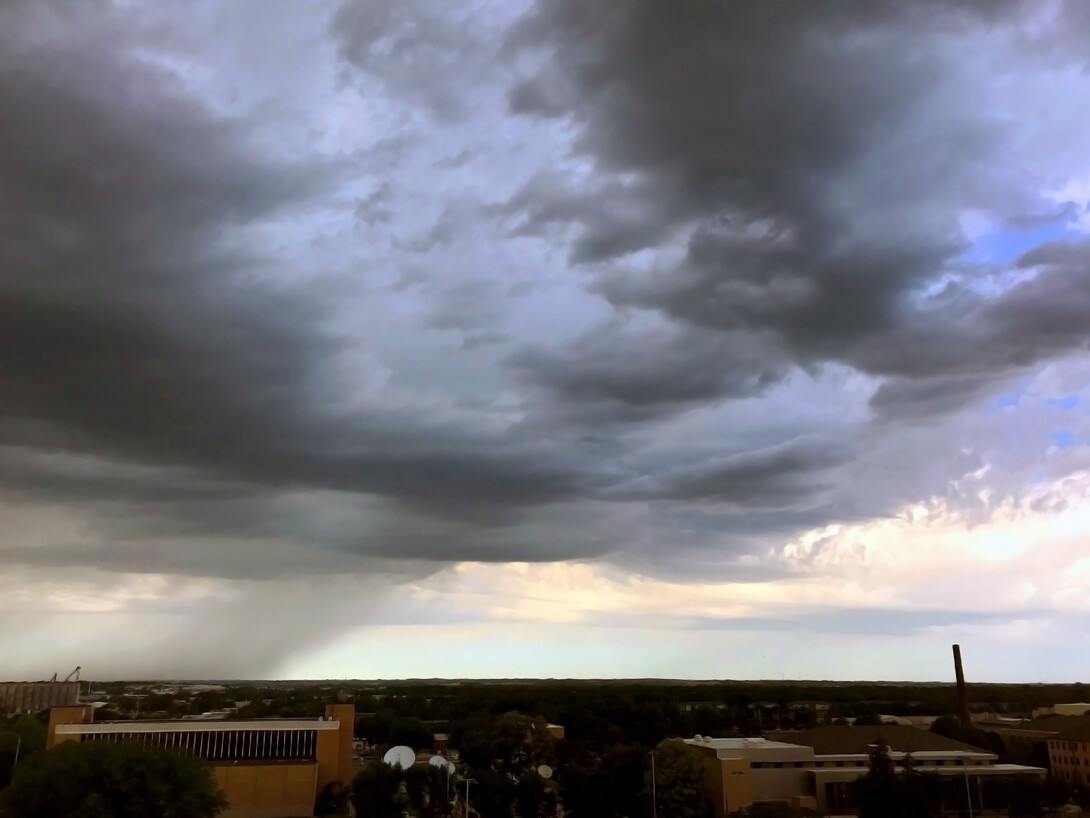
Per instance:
(819,767)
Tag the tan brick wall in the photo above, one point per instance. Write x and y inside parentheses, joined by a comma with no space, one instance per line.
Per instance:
(268,790)
(81,714)
(346,715)
(1070,760)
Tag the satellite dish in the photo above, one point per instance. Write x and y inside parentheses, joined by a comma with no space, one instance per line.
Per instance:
(440,762)
(545,771)
(400,756)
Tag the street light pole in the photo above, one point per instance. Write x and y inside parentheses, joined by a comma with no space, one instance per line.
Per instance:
(18,744)
(654,789)
(468,782)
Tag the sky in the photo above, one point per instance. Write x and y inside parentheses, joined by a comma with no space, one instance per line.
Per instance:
(567,338)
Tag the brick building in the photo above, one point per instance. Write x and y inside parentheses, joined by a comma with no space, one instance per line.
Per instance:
(267,768)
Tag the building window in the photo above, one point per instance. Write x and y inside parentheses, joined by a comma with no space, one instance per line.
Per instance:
(777,764)
(757,765)
(840,764)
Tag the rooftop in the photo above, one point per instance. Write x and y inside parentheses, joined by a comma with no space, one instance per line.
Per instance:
(858,740)
(195,725)
(740,743)
(1079,731)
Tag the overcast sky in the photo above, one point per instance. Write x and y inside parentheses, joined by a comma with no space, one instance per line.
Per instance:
(591,338)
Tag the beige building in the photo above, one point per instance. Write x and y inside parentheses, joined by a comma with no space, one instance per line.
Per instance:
(1067,709)
(1069,754)
(818,768)
(268,768)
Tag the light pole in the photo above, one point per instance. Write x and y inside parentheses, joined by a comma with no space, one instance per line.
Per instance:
(18,744)
(654,789)
(468,782)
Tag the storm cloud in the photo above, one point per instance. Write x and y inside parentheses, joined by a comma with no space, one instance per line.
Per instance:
(382,290)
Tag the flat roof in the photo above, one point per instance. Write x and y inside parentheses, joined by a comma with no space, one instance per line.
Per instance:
(744,744)
(851,773)
(900,754)
(194,726)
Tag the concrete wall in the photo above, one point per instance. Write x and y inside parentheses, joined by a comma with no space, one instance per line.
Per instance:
(22,697)
(268,790)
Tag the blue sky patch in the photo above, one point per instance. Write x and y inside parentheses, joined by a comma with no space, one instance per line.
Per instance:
(1004,246)
(1004,401)
(1066,402)
(1064,439)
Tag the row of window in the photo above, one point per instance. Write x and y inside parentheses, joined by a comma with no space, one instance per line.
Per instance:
(1072,761)
(758,765)
(1071,746)
(808,764)
(225,745)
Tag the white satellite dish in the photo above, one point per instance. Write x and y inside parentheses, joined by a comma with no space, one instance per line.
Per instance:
(440,762)
(400,756)
(545,771)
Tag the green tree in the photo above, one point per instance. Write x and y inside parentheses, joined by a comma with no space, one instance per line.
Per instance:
(23,733)
(427,793)
(376,792)
(493,796)
(876,793)
(332,800)
(531,795)
(411,732)
(883,793)
(678,780)
(105,780)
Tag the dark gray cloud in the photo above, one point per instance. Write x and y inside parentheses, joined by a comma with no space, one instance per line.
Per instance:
(815,161)
(753,195)
(133,324)
(422,53)
(783,476)
(649,369)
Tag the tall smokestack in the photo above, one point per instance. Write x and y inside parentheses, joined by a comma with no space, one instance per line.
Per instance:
(963,693)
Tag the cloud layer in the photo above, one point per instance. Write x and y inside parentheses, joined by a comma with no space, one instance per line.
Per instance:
(366,296)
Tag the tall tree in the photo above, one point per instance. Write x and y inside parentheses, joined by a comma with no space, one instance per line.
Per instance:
(376,792)
(885,793)
(105,780)
(22,734)
(678,780)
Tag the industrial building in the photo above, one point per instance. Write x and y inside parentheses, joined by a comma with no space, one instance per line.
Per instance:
(267,768)
(817,768)
(34,697)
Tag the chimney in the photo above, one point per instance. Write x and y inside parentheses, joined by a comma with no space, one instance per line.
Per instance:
(963,693)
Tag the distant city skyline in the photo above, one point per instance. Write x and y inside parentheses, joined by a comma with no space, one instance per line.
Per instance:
(557,339)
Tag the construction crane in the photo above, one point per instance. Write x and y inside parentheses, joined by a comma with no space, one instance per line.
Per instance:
(69,678)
